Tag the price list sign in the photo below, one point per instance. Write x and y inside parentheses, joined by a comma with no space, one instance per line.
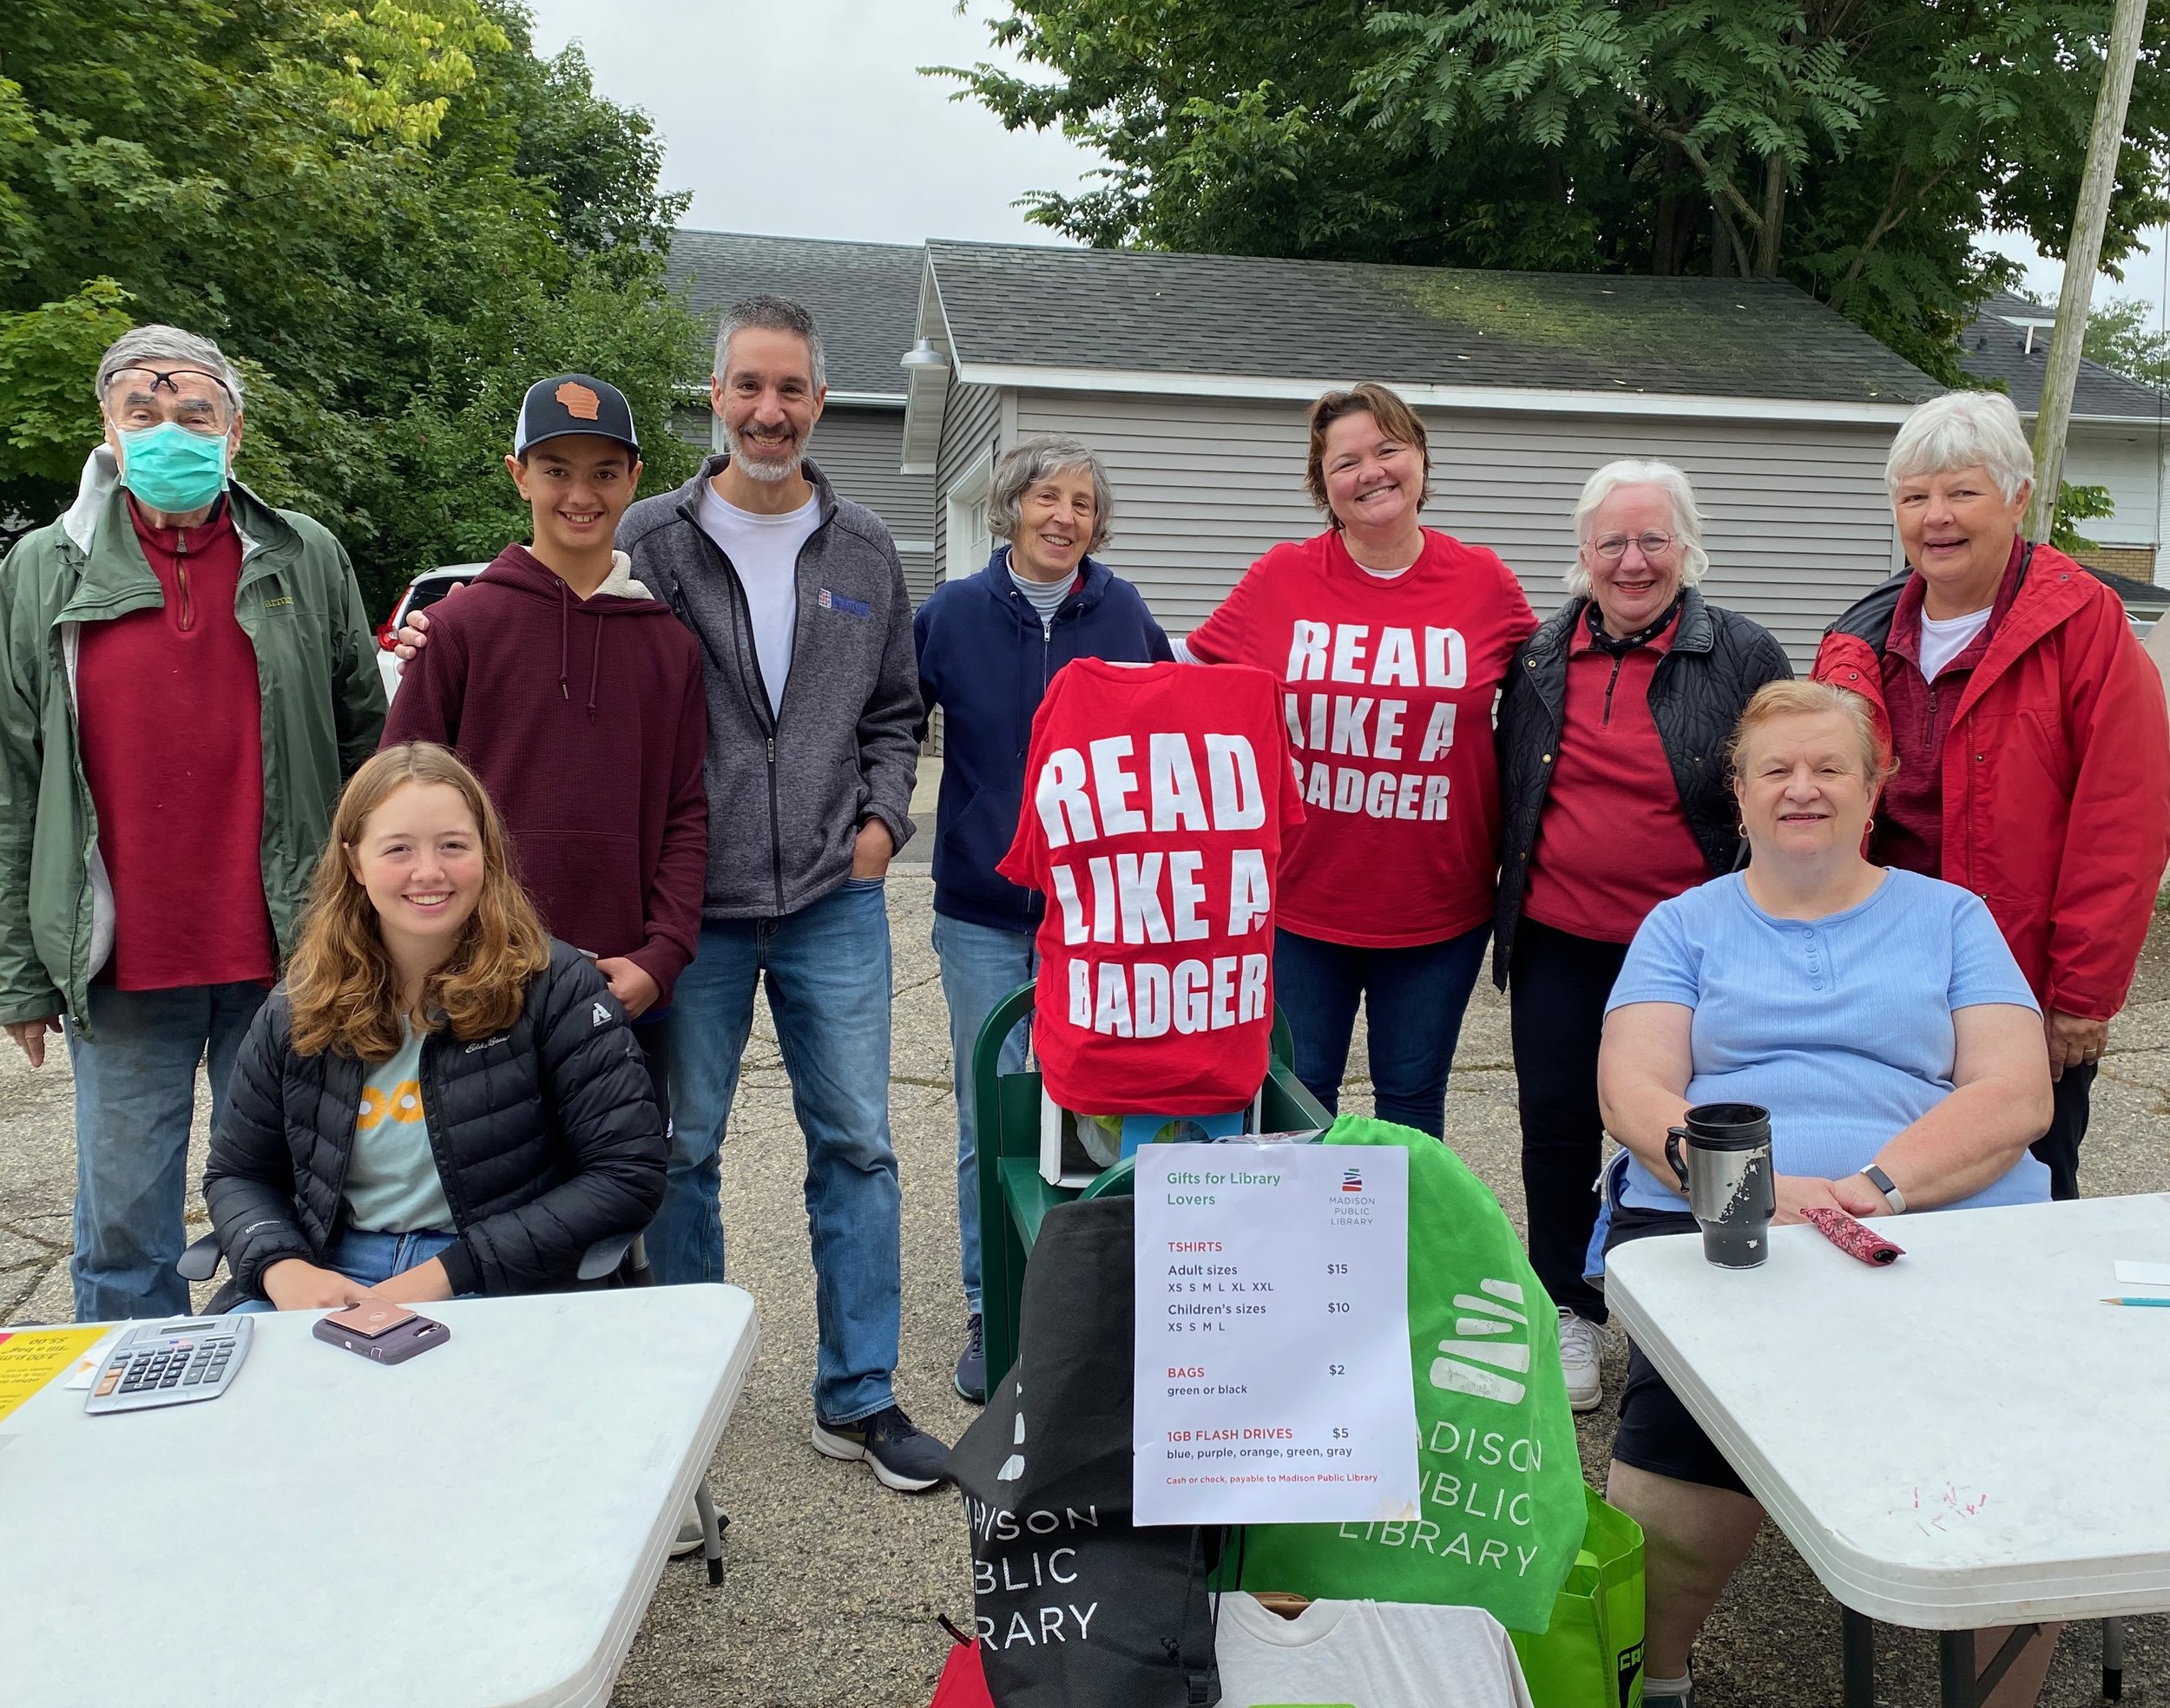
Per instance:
(1273,1354)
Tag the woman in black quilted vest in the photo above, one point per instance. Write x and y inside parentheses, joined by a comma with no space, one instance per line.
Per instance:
(1613,797)
(439,1100)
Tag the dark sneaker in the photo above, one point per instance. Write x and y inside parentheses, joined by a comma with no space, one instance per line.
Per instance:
(901,1456)
(971,1362)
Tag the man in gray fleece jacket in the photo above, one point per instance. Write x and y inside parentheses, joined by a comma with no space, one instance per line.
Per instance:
(798,602)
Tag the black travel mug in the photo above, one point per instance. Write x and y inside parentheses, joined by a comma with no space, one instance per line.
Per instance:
(1726,1172)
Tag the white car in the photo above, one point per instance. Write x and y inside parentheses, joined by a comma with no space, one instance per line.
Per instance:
(424,591)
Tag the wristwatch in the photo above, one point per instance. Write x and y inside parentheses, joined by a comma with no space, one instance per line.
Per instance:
(1884,1183)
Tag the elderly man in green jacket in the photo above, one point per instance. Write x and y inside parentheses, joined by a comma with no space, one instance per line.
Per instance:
(186,678)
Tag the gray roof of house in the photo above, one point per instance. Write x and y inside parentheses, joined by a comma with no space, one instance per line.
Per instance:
(864,297)
(1014,304)
(1993,348)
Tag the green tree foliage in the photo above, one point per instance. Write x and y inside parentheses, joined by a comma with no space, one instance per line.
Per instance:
(394,216)
(2127,334)
(1851,145)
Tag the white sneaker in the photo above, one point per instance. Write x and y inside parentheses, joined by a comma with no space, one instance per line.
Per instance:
(1581,1343)
(690,1538)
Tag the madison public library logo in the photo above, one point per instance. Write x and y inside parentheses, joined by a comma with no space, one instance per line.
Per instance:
(1492,1336)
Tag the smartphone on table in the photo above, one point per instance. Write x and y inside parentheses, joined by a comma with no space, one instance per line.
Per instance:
(383,1332)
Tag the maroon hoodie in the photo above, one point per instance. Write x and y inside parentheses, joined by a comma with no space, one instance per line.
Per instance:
(586,721)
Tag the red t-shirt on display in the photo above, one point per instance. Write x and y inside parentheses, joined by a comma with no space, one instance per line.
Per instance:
(1156,798)
(1388,686)
(1613,840)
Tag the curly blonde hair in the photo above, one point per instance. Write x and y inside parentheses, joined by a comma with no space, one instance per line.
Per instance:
(341,986)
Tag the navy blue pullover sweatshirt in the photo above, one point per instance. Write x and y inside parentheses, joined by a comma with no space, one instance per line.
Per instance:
(986,659)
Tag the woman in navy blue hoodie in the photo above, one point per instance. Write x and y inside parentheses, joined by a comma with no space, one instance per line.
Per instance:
(988,647)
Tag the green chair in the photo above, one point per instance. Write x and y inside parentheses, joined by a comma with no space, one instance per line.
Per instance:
(1013,1199)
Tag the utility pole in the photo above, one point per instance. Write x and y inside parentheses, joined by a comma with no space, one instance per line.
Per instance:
(2083,258)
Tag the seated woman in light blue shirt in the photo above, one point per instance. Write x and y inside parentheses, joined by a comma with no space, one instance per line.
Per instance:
(1879,1017)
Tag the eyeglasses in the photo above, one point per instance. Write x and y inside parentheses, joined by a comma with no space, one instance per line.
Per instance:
(150,379)
(1614,547)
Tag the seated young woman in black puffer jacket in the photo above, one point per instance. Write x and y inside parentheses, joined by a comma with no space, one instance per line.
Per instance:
(439,1100)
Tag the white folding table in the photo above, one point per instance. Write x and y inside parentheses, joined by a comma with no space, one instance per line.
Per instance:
(479,1528)
(1966,1438)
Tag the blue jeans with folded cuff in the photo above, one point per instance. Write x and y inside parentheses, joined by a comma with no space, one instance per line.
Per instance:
(980,964)
(1413,999)
(136,1096)
(826,969)
(370,1256)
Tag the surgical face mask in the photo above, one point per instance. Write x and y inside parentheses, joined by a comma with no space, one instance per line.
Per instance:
(172,469)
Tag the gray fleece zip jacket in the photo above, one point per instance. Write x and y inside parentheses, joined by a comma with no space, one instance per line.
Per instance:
(787,793)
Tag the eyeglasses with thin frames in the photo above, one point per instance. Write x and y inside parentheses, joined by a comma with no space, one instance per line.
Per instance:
(1614,547)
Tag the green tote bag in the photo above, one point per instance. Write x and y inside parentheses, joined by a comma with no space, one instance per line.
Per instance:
(1501,1509)
(1591,1657)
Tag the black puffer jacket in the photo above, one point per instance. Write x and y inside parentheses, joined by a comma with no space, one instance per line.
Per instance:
(1717,661)
(547,1138)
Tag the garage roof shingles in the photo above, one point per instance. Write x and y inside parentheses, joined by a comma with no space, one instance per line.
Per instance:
(1130,311)
(1992,348)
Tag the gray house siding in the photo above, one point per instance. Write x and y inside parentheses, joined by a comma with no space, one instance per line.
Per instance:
(1795,516)
(859,450)
(968,427)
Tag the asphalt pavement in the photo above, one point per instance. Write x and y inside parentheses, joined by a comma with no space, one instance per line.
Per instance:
(832,1583)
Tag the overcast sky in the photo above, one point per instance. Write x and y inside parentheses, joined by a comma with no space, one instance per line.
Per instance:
(808,118)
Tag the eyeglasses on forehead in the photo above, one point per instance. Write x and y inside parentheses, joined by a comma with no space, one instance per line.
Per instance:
(169,377)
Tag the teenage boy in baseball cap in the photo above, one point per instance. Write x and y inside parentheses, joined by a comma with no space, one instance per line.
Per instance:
(576,697)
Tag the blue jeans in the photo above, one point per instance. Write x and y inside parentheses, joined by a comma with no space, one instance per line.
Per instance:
(827,973)
(1413,999)
(135,1095)
(980,964)
(365,1256)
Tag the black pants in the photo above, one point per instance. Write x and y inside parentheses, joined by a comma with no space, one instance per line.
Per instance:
(1559,983)
(654,1037)
(2060,1146)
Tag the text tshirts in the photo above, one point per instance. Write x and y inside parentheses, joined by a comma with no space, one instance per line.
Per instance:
(1613,841)
(171,715)
(1365,1654)
(764,550)
(1156,799)
(392,1185)
(1840,1027)
(1387,693)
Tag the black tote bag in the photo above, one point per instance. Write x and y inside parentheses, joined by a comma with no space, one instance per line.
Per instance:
(1075,1606)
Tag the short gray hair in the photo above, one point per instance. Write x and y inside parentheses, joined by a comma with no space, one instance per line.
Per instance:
(772,314)
(1688,518)
(1036,459)
(145,346)
(1962,430)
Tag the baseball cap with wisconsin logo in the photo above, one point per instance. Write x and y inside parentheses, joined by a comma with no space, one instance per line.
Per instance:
(574,403)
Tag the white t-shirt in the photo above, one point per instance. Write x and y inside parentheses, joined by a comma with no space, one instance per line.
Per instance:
(764,550)
(1366,1654)
(1944,640)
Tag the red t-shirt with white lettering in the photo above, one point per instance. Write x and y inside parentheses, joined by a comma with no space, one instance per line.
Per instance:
(1156,799)
(1388,686)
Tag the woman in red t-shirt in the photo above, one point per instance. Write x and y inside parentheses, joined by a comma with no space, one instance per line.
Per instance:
(1389,641)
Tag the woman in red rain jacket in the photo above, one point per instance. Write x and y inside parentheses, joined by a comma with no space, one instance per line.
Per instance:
(2030,728)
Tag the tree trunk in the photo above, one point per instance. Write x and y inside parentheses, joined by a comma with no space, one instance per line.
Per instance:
(1725,243)
(1774,216)
(1674,236)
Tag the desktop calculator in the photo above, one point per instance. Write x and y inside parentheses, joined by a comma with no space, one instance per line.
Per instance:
(171,1363)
